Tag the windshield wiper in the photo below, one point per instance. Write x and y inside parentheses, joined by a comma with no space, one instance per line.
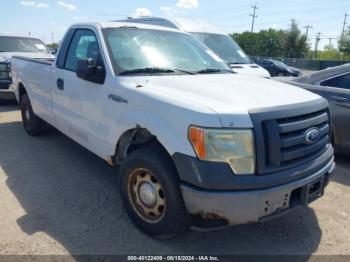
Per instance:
(185,71)
(147,70)
(214,70)
(153,70)
(208,71)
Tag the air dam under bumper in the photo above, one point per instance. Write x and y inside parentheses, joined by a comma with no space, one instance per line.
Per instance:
(242,207)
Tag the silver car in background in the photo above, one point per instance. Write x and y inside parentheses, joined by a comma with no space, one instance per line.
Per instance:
(333,84)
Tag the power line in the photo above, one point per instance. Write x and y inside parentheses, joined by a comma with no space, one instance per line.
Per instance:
(255,7)
(344,24)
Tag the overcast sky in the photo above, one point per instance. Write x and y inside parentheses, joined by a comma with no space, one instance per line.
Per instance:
(43,17)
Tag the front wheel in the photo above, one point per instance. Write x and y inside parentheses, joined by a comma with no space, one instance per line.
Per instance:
(149,188)
(32,124)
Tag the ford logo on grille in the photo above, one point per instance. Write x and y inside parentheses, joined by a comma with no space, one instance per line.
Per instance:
(312,135)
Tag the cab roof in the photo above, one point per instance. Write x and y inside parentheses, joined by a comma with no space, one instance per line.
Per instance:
(183,24)
(104,25)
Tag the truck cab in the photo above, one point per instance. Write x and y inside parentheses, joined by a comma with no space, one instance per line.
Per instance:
(217,40)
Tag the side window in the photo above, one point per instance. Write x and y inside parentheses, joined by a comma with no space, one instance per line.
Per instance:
(83,45)
(339,82)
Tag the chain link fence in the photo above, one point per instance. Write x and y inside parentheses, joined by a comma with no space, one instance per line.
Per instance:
(306,64)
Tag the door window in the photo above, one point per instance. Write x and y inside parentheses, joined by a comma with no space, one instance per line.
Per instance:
(342,81)
(83,45)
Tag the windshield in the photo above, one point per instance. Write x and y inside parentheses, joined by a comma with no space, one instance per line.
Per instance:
(21,44)
(224,47)
(132,49)
(279,63)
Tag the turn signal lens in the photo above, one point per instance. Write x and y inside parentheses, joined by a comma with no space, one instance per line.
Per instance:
(197,138)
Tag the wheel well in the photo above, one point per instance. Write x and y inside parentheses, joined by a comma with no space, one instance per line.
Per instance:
(21,90)
(134,139)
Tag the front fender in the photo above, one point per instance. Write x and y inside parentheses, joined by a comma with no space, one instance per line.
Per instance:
(171,134)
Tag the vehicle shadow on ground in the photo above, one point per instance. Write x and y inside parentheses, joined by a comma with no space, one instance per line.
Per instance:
(341,174)
(72,195)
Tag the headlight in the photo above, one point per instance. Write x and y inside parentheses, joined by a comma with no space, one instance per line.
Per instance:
(235,147)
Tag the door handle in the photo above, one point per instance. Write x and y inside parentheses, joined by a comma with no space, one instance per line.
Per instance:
(60,84)
(118,99)
(339,99)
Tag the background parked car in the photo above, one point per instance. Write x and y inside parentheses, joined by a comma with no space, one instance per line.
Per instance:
(333,84)
(277,68)
(18,46)
(52,51)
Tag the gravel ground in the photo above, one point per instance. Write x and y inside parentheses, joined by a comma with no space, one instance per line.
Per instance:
(57,198)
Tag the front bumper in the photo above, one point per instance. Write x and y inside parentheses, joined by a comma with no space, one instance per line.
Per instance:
(250,206)
(5,84)
(6,94)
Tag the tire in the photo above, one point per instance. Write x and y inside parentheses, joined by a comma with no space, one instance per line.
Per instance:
(32,124)
(170,217)
(281,74)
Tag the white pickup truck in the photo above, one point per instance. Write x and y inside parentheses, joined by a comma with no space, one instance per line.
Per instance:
(196,143)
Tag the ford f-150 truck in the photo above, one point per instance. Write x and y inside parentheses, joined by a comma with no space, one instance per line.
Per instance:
(196,143)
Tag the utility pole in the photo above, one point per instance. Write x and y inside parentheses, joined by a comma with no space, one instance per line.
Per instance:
(29,33)
(344,24)
(255,7)
(318,38)
(308,27)
(52,38)
(330,41)
(293,22)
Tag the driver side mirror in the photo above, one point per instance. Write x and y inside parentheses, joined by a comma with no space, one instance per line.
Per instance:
(87,69)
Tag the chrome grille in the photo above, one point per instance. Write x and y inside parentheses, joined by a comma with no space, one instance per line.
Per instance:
(291,132)
(281,136)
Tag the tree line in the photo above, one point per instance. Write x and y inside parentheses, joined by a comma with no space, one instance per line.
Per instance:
(290,43)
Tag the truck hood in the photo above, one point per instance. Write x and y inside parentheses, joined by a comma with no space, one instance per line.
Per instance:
(231,96)
(6,56)
(250,69)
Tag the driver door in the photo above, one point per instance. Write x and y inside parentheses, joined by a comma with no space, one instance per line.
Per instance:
(78,106)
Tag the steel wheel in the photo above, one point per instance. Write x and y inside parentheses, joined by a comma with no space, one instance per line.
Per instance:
(146,195)
(33,125)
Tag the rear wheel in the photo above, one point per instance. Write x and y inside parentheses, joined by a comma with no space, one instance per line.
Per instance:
(150,191)
(32,124)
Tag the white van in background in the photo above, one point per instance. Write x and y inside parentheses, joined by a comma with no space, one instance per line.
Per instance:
(216,39)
